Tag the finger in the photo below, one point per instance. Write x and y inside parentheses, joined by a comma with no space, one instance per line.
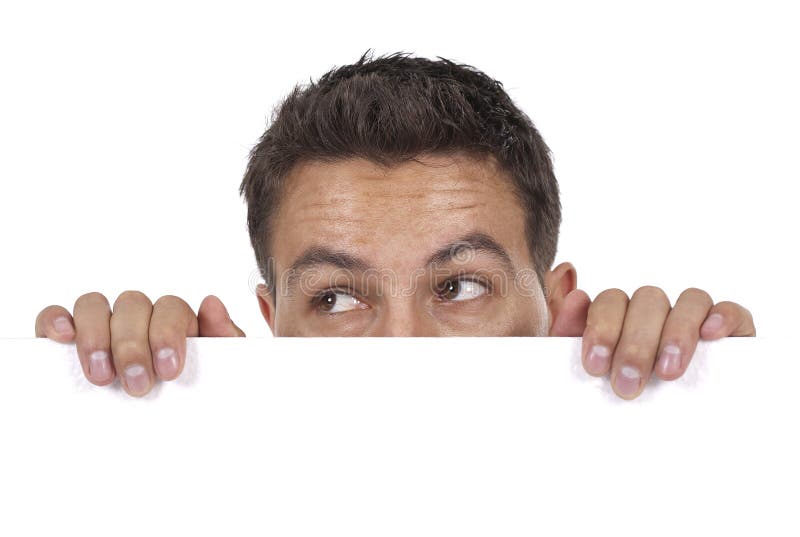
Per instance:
(681,332)
(728,319)
(571,318)
(171,323)
(93,339)
(603,328)
(214,321)
(635,354)
(55,322)
(130,343)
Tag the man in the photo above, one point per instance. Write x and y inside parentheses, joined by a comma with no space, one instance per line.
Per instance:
(401,196)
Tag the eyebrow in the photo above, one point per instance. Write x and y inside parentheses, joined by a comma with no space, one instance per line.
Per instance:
(477,241)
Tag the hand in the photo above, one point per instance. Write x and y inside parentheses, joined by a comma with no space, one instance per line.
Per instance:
(139,338)
(632,338)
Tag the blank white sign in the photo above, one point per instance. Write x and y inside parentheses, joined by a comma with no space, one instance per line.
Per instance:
(400,436)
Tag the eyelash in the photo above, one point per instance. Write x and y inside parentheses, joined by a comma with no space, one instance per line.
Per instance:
(316,300)
(479,281)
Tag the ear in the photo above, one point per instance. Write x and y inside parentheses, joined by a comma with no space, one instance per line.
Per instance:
(567,305)
(266,305)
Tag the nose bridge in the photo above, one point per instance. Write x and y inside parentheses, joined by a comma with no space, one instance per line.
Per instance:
(402,313)
(402,317)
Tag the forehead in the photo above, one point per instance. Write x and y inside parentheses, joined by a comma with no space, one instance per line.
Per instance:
(394,215)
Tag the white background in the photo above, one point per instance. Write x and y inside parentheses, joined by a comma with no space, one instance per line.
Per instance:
(124,133)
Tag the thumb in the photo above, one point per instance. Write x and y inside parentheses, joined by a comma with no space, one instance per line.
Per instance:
(214,321)
(570,320)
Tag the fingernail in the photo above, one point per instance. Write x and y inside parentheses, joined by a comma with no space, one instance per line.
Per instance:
(167,363)
(670,360)
(137,379)
(628,380)
(597,360)
(99,366)
(713,323)
(63,326)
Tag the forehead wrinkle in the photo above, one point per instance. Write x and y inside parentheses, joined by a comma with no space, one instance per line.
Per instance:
(424,193)
(356,188)
(336,211)
(338,202)
(329,218)
(326,211)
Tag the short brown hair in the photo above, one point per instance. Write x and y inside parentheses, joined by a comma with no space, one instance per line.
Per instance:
(389,110)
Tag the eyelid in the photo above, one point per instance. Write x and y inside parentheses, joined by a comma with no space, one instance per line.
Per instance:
(480,281)
(316,299)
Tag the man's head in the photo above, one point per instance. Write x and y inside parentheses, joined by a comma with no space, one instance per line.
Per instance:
(404,196)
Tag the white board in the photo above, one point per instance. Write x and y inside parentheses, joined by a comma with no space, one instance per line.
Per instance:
(400,436)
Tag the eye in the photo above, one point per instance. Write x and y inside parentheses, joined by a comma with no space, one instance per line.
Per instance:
(337,301)
(460,290)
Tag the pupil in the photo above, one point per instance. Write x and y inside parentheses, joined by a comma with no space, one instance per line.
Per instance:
(451,288)
(329,300)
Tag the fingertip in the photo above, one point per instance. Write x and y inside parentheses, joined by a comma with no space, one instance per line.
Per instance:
(670,363)
(597,360)
(666,375)
(212,298)
(105,382)
(61,329)
(666,371)
(628,382)
(168,361)
(215,321)
(712,326)
(214,307)
(580,294)
(577,300)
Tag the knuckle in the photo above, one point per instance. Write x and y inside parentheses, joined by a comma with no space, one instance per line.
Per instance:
(697,294)
(131,350)
(735,310)
(612,294)
(631,351)
(163,336)
(680,329)
(651,291)
(728,305)
(171,301)
(599,330)
(131,296)
(91,298)
(49,312)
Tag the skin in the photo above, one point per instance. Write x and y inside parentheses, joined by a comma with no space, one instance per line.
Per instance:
(392,221)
